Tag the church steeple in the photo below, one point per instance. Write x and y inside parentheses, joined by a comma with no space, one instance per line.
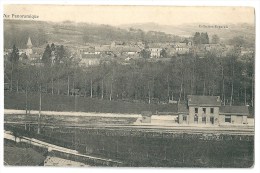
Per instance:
(29,43)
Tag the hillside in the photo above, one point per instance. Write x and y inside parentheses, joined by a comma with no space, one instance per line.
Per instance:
(18,31)
(187,30)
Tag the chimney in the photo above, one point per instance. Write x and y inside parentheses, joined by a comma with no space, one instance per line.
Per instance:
(189,98)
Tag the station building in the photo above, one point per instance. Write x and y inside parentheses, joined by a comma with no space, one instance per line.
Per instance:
(208,110)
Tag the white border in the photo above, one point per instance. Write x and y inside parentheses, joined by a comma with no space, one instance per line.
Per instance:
(249,3)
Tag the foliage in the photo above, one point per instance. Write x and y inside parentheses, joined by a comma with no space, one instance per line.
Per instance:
(14,57)
(46,57)
(145,53)
(201,38)
(215,39)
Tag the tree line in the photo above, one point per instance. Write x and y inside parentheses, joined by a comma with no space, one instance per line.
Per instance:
(231,77)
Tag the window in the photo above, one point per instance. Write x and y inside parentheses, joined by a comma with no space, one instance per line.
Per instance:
(196,110)
(184,118)
(204,119)
(204,110)
(228,118)
(212,110)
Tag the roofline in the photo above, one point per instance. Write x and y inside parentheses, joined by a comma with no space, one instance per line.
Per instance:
(182,112)
(224,113)
(200,105)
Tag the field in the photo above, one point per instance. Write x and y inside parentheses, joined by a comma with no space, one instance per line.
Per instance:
(143,148)
(80,104)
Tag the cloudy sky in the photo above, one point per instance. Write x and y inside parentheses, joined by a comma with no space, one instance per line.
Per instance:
(118,15)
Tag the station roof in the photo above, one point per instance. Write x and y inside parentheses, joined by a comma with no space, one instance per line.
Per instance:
(183,108)
(236,110)
(195,100)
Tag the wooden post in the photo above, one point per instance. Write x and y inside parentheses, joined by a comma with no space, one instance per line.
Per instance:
(102,89)
(245,96)
(75,103)
(40,108)
(91,88)
(12,77)
(68,85)
(149,93)
(168,88)
(252,98)
(232,84)
(52,89)
(26,99)
(17,86)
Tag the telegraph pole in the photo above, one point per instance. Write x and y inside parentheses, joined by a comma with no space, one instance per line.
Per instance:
(40,108)
(26,98)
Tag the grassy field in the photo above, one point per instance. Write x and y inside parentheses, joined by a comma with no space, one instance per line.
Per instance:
(69,103)
(151,149)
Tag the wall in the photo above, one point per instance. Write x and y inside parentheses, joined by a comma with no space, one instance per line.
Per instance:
(146,119)
(235,119)
(164,119)
(201,114)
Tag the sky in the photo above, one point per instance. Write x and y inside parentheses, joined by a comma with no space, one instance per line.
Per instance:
(120,15)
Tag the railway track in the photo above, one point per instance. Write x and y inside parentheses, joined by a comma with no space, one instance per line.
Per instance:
(148,128)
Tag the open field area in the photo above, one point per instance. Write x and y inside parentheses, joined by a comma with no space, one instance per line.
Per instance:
(146,146)
(64,103)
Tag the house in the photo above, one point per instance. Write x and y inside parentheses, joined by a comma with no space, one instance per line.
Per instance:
(233,114)
(103,49)
(216,49)
(171,51)
(146,117)
(246,51)
(208,110)
(182,48)
(125,50)
(155,52)
(89,51)
(90,60)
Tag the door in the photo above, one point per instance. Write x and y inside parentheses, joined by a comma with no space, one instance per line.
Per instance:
(212,120)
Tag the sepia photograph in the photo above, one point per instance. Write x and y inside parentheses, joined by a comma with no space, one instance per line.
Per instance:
(129,86)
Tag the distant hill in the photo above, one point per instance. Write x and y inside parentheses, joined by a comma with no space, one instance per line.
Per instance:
(17,32)
(187,30)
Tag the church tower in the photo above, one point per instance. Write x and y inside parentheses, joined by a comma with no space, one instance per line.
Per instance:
(29,43)
(29,50)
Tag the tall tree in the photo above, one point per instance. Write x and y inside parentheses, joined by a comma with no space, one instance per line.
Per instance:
(204,38)
(215,39)
(46,57)
(14,58)
(197,38)
(145,53)
(163,53)
(59,53)
(52,47)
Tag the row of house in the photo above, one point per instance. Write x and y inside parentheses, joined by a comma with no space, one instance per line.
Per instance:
(92,54)
(171,49)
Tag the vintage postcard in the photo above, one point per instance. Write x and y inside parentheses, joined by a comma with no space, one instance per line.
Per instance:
(129,86)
